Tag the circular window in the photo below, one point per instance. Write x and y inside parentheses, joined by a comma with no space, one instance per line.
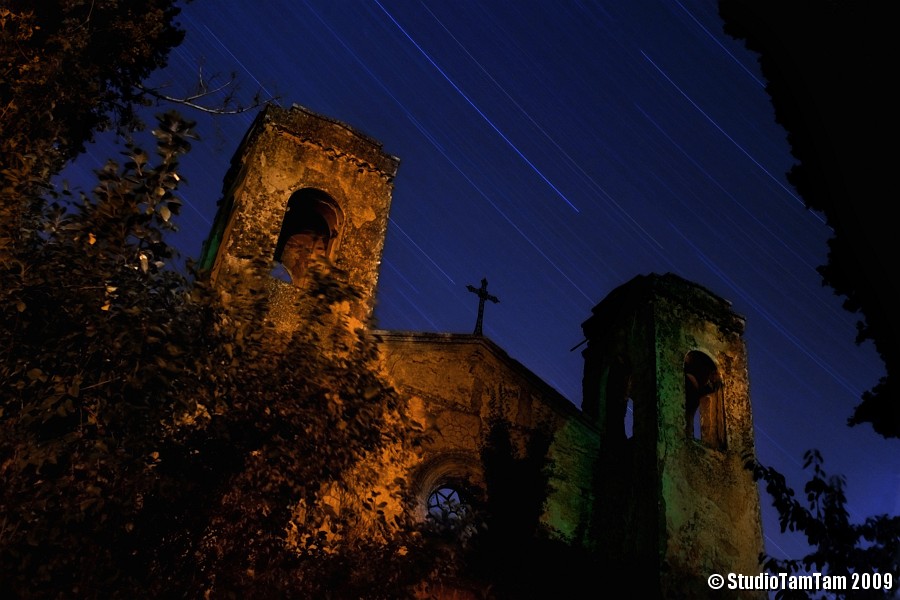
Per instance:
(446,506)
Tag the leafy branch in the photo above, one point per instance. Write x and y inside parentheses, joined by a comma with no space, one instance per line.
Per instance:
(837,546)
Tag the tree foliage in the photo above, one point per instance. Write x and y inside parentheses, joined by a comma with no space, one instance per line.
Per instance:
(94,340)
(158,436)
(69,69)
(838,547)
(304,511)
(162,436)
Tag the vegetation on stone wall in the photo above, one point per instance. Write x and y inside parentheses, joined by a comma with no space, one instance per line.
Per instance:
(152,440)
(514,552)
(151,443)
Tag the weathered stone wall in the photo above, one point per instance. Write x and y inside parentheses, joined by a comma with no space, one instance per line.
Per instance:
(710,500)
(667,501)
(655,499)
(295,149)
(456,383)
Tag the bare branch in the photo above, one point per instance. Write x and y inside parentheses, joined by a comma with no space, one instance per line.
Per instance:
(191,101)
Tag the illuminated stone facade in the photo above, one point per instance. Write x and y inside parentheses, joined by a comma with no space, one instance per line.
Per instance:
(673,495)
(649,472)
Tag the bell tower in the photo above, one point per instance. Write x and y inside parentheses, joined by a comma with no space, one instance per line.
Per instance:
(666,383)
(304,187)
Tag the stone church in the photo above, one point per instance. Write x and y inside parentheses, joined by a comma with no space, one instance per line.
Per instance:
(649,468)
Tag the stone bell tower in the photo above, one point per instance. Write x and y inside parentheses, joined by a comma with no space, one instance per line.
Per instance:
(666,383)
(304,187)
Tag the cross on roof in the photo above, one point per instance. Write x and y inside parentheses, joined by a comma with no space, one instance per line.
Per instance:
(482,296)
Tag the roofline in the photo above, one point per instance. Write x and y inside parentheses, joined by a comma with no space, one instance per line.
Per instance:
(556,400)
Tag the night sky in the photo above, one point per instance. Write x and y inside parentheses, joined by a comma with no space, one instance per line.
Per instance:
(559,149)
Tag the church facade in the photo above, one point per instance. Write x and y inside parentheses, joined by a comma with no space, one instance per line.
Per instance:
(650,468)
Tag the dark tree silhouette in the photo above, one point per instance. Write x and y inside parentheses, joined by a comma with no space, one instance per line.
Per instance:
(514,551)
(838,547)
(828,66)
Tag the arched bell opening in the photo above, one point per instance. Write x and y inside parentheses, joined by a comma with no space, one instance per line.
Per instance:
(310,231)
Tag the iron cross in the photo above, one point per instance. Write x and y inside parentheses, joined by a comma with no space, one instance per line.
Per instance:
(482,296)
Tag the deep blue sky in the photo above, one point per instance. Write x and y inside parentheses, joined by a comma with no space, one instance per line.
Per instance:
(559,149)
